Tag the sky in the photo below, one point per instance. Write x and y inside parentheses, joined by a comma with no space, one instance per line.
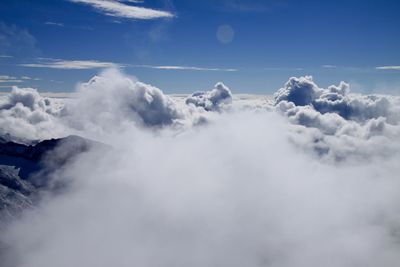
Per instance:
(183,46)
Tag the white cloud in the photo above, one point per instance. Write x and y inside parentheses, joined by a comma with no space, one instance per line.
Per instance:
(213,100)
(70,64)
(5,56)
(26,115)
(171,67)
(95,64)
(54,23)
(111,98)
(337,124)
(317,186)
(234,193)
(329,66)
(9,79)
(121,10)
(388,68)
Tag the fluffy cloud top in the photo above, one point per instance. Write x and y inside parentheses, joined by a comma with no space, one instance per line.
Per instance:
(310,179)
(336,99)
(113,98)
(338,124)
(212,100)
(332,122)
(26,115)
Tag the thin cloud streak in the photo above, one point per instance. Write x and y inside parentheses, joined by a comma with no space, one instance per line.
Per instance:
(95,64)
(71,64)
(388,68)
(169,67)
(118,9)
(51,23)
(9,79)
(329,66)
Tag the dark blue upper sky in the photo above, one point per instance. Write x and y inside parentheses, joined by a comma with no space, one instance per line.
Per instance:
(53,44)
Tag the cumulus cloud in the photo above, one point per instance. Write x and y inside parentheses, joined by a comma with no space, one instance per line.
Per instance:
(107,103)
(119,9)
(112,98)
(337,123)
(26,115)
(333,123)
(212,100)
(310,179)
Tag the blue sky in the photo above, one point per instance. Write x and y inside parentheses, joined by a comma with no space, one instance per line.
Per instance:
(187,45)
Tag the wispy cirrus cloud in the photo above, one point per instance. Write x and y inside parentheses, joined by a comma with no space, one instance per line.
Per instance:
(9,79)
(70,64)
(388,68)
(327,66)
(52,23)
(174,67)
(117,8)
(96,64)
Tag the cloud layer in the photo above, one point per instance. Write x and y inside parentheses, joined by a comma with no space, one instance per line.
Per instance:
(308,178)
(232,194)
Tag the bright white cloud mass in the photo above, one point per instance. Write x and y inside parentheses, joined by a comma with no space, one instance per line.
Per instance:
(117,8)
(306,178)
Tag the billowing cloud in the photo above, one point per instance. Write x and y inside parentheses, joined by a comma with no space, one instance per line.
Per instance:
(211,100)
(307,179)
(338,124)
(114,98)
(25,115)
(121,10)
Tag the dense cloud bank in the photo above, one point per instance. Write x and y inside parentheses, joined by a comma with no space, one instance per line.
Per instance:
(309,178)
(25,115)
(337,124)
(332,122)
(234,193)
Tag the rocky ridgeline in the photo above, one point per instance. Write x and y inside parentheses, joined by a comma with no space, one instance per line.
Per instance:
(24,169)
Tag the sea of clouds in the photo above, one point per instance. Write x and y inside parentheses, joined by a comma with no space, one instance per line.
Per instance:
(308,177)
